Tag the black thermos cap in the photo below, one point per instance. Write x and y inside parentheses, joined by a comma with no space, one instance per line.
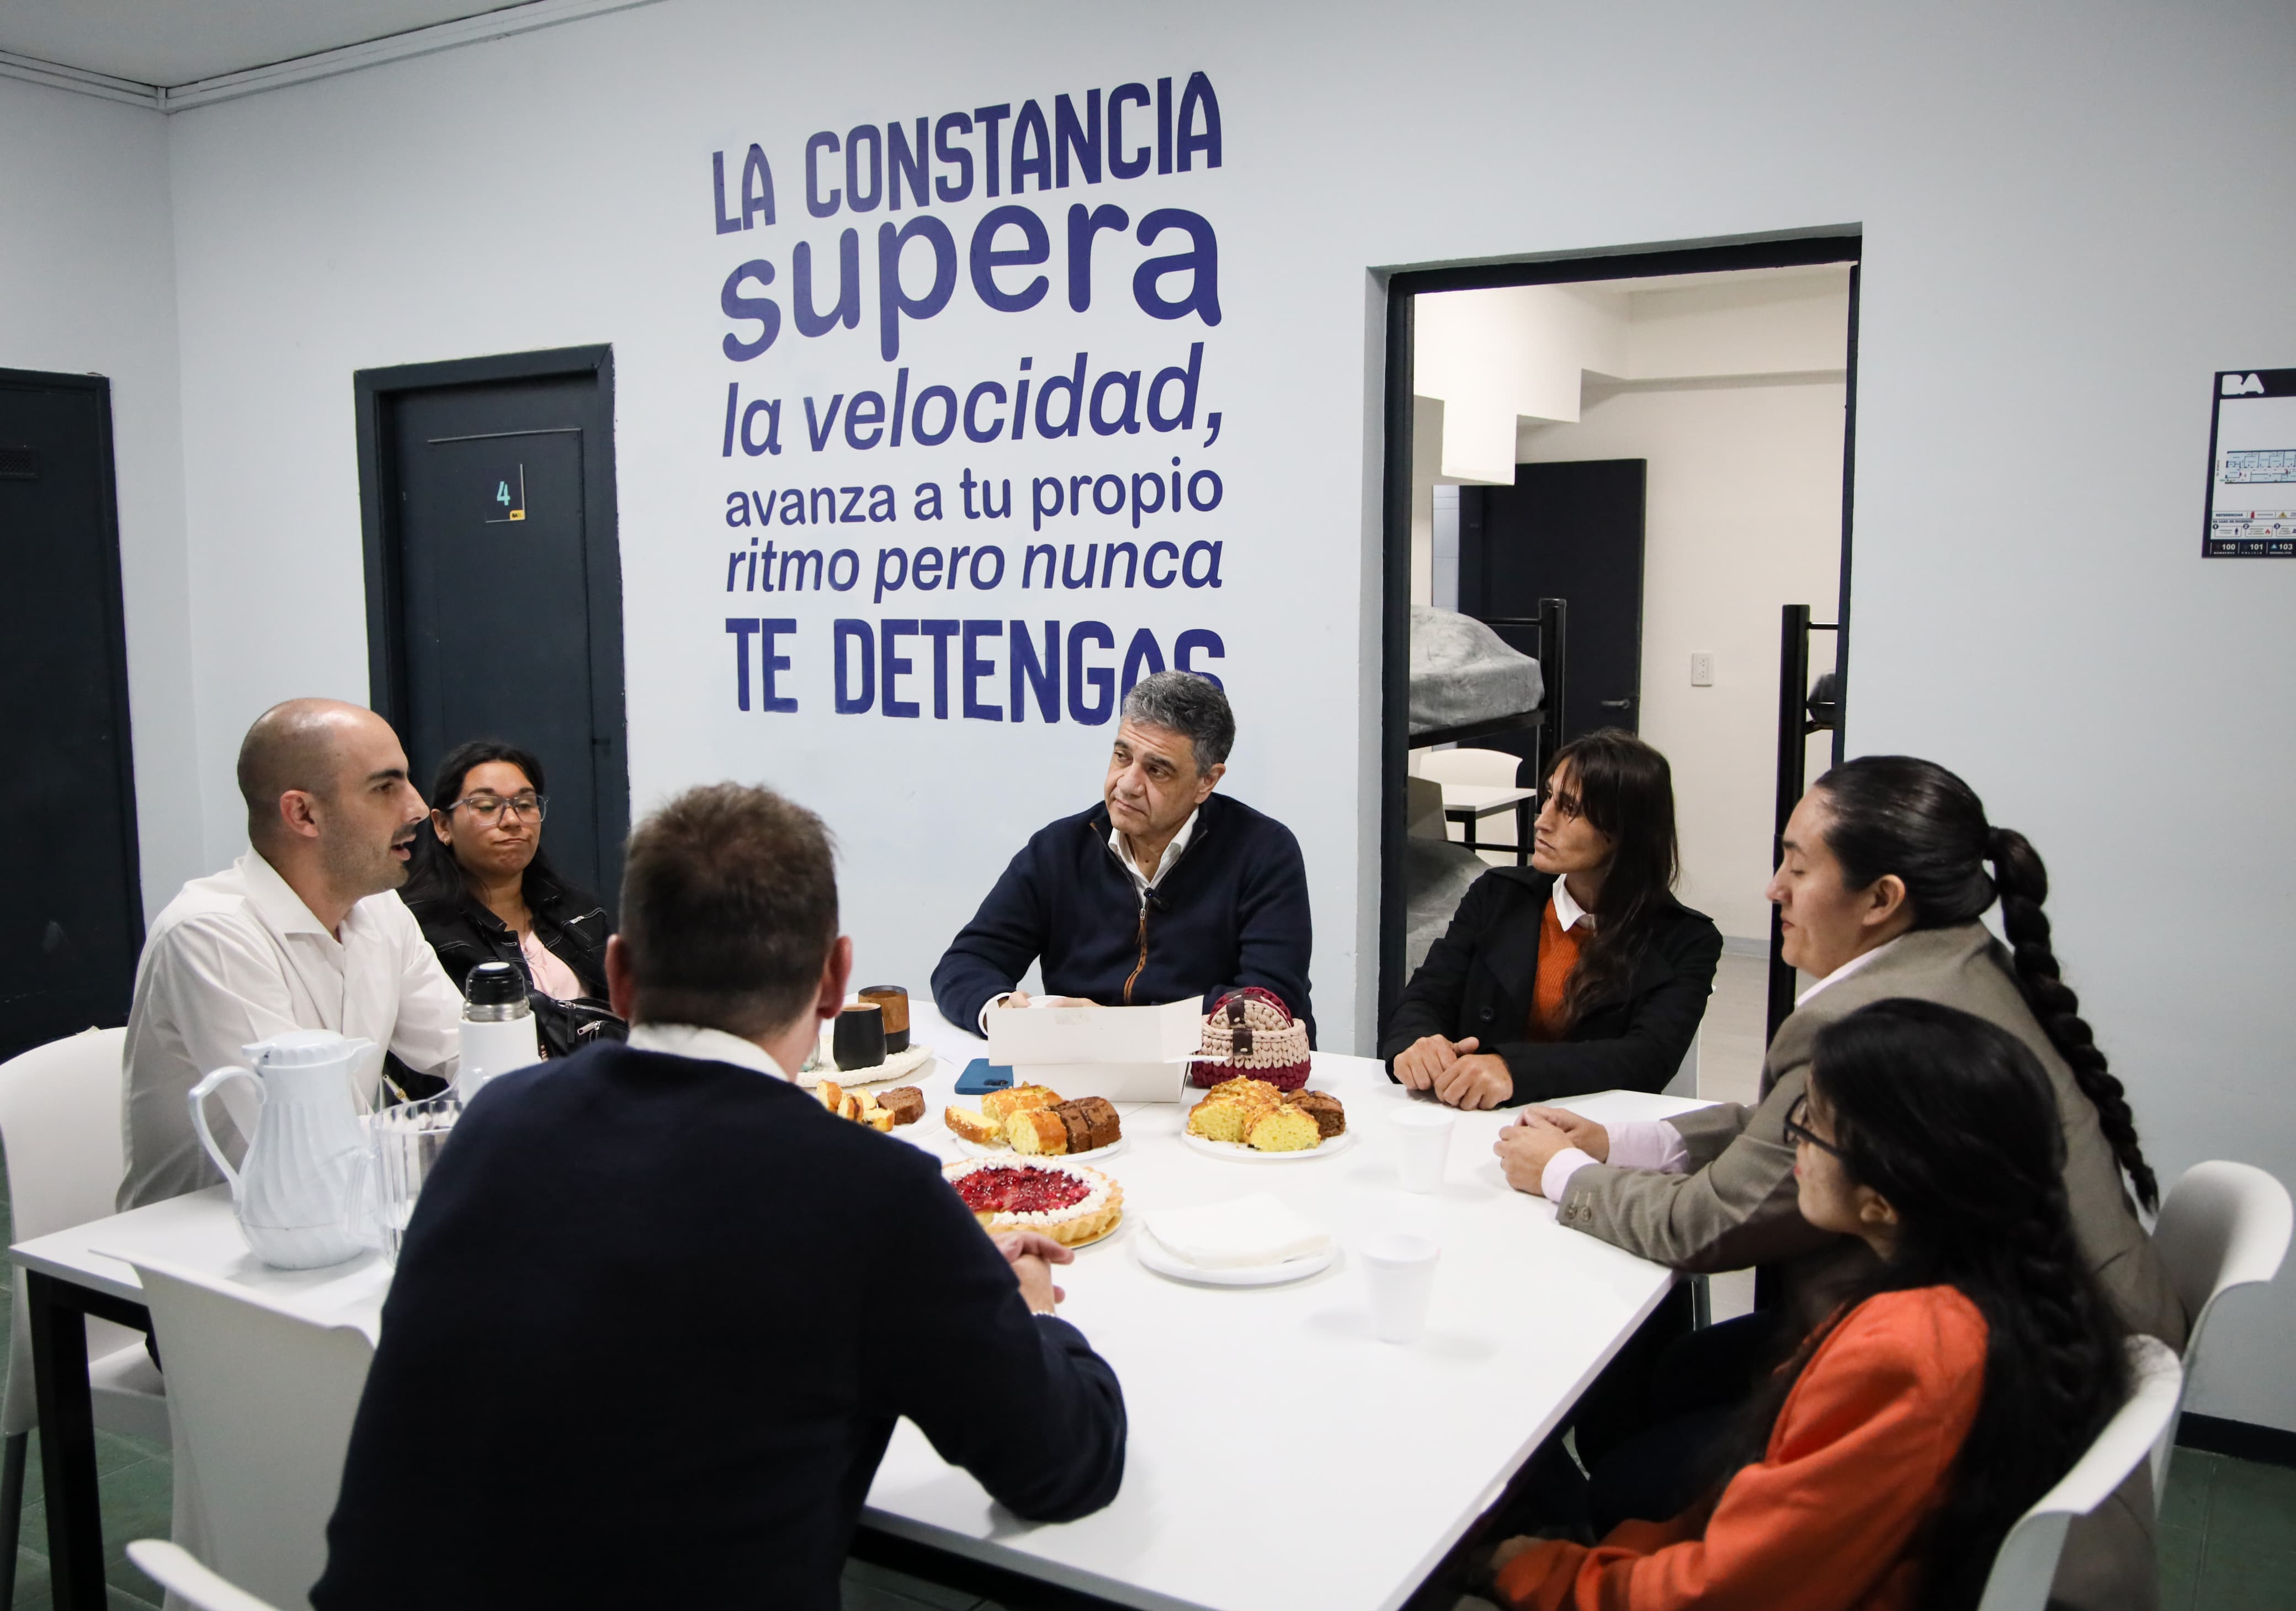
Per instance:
(494,985)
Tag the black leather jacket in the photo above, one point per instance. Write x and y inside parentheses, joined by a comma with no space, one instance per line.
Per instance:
(567,919)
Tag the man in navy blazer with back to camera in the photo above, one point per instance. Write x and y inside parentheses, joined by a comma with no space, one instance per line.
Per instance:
(658,1310)
(1163,891)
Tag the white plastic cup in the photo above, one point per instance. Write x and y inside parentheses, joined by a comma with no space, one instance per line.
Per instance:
(1422,1134)
(1401,1269)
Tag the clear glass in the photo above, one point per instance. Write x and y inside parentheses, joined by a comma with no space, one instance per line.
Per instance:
(486,807)
(407,1141)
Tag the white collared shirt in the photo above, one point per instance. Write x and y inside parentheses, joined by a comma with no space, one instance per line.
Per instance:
(708,1045)
(237,958)
(1844,971)
(1567,909)
(1140,881)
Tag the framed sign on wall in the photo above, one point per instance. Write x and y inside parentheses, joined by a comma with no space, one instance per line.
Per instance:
(2252,507)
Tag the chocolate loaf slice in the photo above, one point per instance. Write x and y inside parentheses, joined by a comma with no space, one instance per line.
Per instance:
(1330,1118)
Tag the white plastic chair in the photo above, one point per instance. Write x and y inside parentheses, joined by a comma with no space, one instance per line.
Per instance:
(60,1127)
(1493,768)
(2224,1225)
(2026,1563)
(265,1400)
(179,1571)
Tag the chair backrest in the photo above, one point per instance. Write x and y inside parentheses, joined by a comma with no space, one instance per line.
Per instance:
(2224,1225)
(1422,814)
(1493,766)
(2027,1561)
(179,1571)
(265,1401)
(60,1128)
(60,1122)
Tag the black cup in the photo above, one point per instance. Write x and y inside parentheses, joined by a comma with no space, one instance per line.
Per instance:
(895,1000)
(860,1041)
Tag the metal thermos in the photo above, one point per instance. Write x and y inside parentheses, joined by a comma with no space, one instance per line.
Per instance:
(498,1033)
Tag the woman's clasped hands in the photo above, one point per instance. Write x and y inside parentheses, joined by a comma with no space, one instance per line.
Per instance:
(1530,1143)
(1455,1071)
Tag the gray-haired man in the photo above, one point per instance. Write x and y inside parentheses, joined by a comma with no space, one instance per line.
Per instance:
(1161,892)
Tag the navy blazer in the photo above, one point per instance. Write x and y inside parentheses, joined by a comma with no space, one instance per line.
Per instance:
(653,1325)
(1231,910)
(1477,981)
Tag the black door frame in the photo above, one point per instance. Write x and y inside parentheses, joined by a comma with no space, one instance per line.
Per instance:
(1835,244)
(374,393)
(115,616)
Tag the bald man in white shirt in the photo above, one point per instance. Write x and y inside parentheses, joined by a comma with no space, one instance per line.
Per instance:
(303,931)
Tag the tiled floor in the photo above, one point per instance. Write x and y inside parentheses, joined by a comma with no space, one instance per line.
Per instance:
(2227,1530)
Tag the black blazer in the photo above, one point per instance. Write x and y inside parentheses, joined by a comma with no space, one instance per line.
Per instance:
(654,1322)
(1477,981)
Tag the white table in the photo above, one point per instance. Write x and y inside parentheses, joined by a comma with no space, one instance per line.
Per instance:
(1280,1455)
(1466,804)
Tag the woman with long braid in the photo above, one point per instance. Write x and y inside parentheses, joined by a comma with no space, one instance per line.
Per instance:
(1962,1375)
(1889,864)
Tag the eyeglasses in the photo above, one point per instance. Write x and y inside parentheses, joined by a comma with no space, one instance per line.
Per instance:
(1797,1130)
(488,808)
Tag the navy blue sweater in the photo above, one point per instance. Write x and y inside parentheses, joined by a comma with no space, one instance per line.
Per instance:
(1231,910)
(653,1325)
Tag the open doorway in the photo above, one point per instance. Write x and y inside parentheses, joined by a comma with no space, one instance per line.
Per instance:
(1610,482)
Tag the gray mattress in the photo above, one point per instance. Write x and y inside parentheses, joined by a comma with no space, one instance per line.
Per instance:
(1462,672)
(1436,875)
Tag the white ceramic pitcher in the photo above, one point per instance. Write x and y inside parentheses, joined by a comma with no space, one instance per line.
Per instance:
(304,1193)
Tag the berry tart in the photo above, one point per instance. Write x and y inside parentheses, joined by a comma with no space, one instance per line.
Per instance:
(1071,1203)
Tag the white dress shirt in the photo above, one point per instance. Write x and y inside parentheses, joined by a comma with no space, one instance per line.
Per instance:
(708,1045)
(1142,880)
(236,959)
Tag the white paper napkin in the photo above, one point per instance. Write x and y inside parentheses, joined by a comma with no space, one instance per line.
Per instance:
(1249,1233)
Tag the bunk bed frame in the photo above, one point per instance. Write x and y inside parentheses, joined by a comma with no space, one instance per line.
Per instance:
(1553,623)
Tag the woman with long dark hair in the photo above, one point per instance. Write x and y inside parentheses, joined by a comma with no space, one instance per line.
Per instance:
(484,891)
(1888,865)
(1962,1375)
(1580,973)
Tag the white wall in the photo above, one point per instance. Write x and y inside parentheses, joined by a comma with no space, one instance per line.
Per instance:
(1744,513)
(87,285)
(2049,283)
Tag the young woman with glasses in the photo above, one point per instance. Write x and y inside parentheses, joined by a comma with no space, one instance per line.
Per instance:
(1889,865)
(1964,1373)
(484,891)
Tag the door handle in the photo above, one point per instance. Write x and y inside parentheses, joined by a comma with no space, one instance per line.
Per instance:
(1615,704)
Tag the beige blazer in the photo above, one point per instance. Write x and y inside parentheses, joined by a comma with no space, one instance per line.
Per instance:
(1738,1207)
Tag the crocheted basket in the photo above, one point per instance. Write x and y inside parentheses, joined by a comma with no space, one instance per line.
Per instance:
(1250,1032)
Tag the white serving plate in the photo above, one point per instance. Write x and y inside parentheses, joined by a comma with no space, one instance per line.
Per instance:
(1238,1152)
(976,1149)
(1162,1261)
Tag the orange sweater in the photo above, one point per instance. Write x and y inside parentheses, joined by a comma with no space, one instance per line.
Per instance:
(1558,955)
(1855,1464)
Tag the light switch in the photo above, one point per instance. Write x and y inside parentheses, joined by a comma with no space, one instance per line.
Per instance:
(1701,668)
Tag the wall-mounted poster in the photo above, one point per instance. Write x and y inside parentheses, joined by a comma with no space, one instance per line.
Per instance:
(2251,508)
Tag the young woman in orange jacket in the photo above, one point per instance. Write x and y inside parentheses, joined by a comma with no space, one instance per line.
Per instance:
(1888,1458)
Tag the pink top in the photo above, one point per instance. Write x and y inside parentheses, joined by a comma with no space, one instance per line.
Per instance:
(552,977)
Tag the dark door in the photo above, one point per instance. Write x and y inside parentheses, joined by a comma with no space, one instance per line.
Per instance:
(1572,531)
(72,910)
(494,580)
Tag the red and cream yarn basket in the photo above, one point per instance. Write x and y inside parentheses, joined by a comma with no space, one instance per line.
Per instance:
(1250,1032)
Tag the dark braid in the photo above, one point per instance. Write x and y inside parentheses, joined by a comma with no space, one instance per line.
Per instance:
(1894,814)
(2024,884)
(1953,1121)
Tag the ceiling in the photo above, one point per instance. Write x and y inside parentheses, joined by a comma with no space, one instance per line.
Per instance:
(170,44)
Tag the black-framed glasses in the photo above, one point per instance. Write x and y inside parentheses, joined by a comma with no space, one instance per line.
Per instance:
(487,808)
(1798,1128)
